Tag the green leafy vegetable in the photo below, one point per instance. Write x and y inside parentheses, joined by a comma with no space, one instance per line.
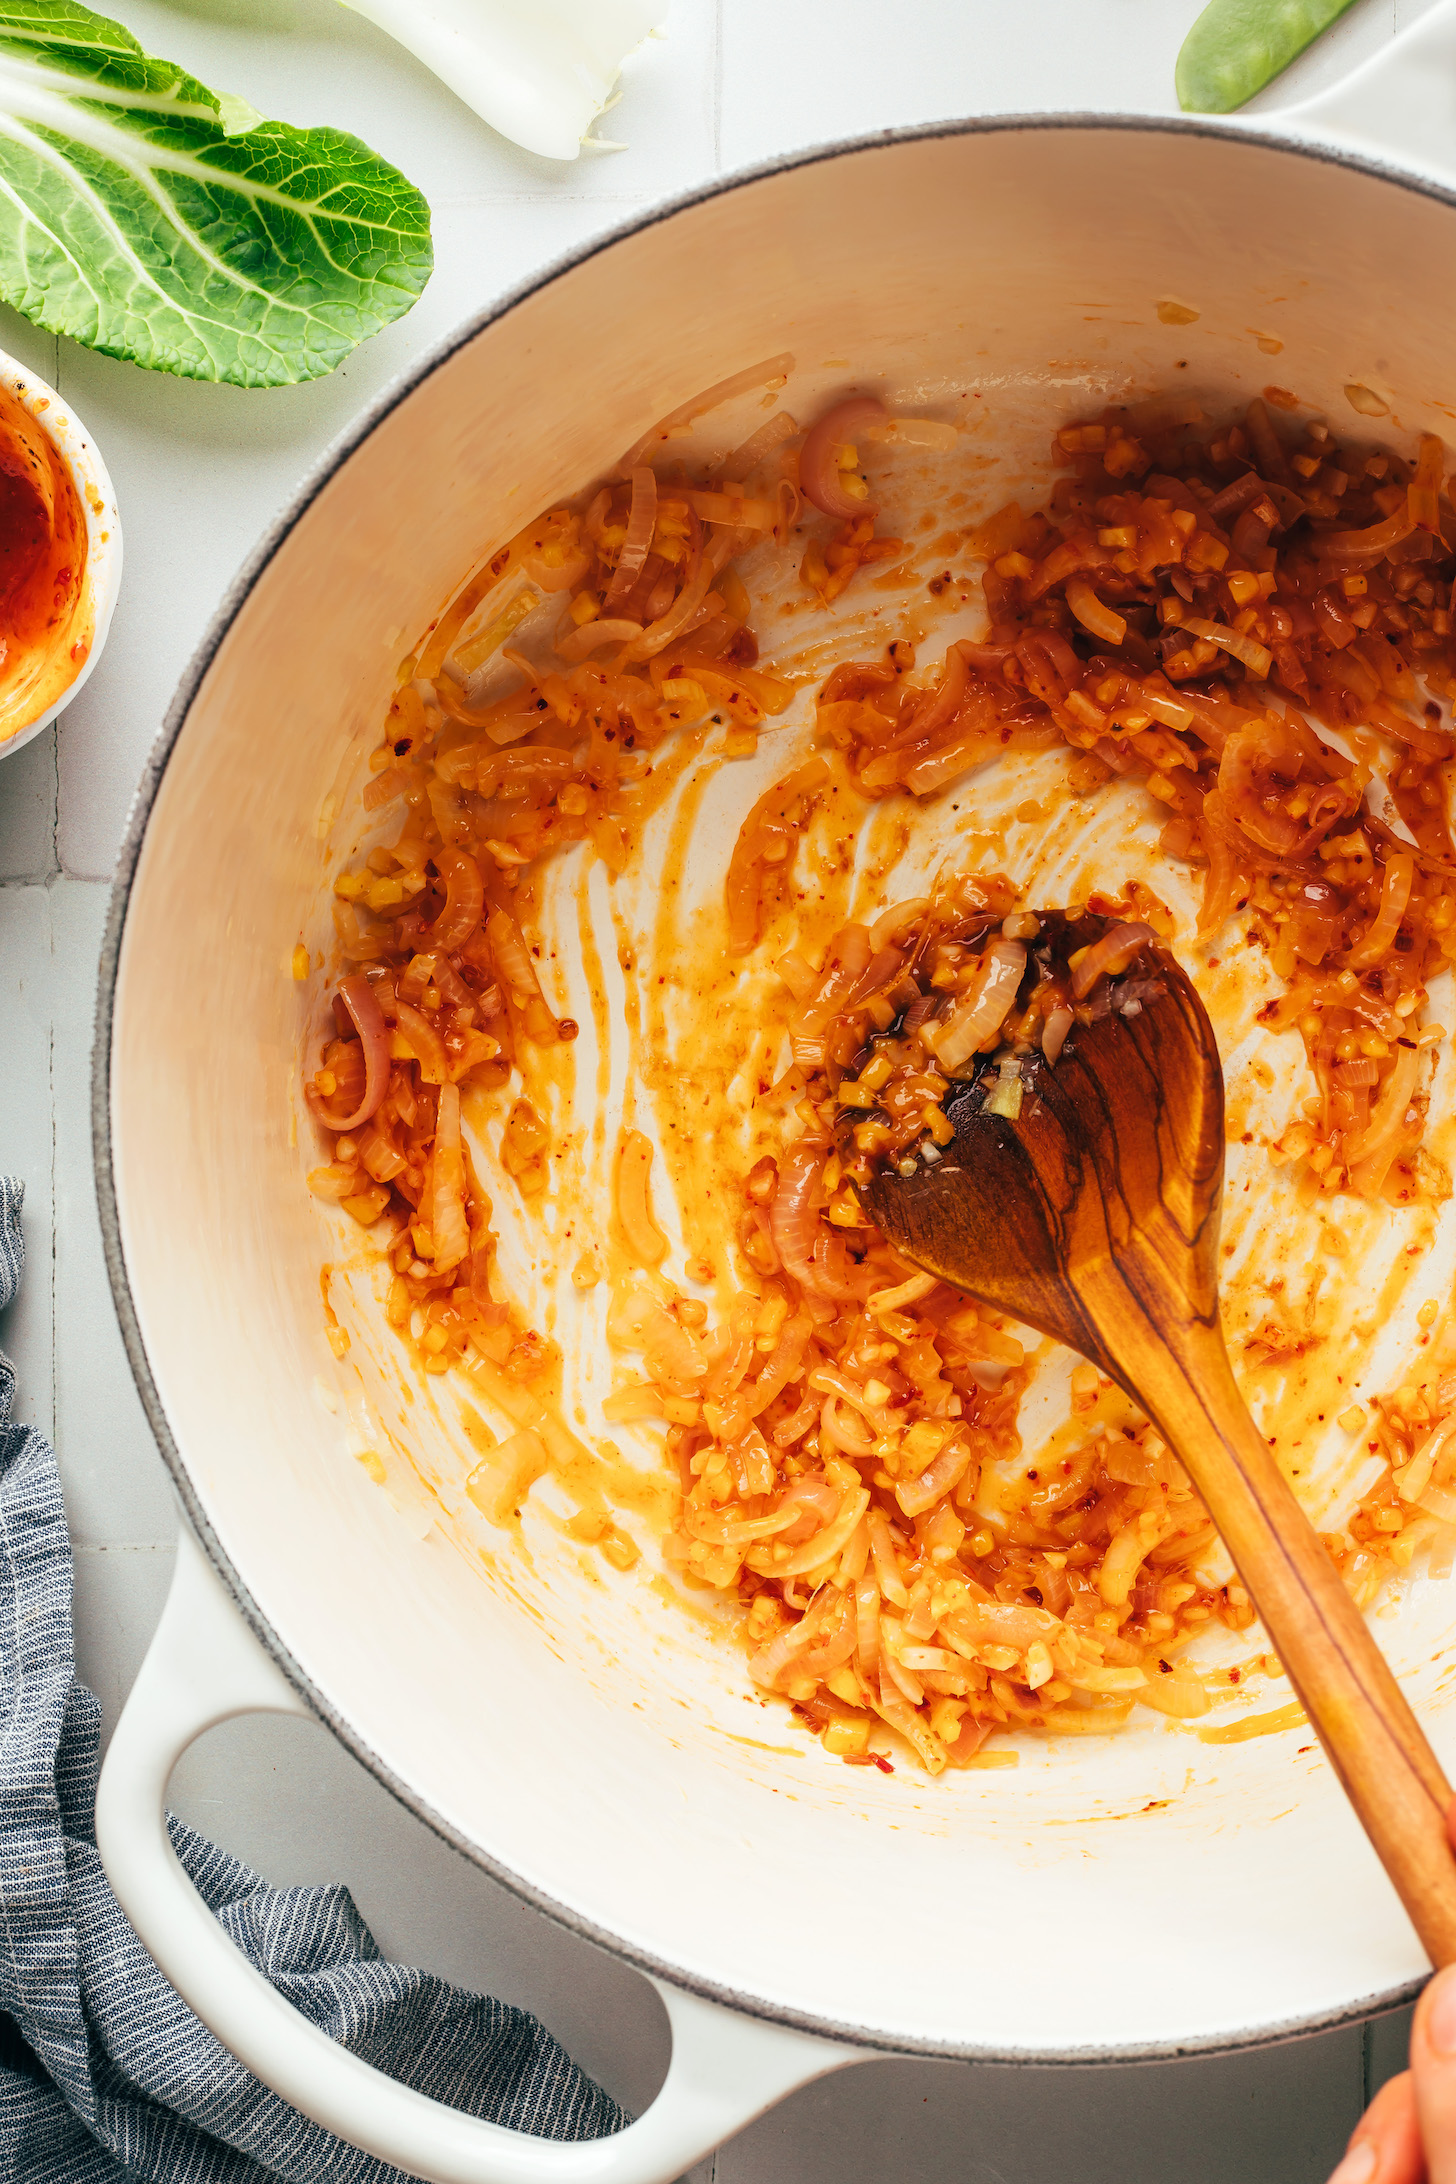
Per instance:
(148,218)
(1237,46)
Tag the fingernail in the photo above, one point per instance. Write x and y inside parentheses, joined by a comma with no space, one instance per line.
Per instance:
(1441,2019)
(1358,2166)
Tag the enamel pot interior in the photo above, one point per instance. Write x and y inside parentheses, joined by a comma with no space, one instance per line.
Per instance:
(584,1738)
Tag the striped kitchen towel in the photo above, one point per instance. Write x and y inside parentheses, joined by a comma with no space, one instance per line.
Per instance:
(105,2074)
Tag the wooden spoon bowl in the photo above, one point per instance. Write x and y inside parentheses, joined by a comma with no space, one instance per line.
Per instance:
(1093,1215)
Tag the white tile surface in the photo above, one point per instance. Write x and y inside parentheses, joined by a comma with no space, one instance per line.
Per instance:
(117,1490)
(118,1591)
(28,811)
(200,472)
(832,68)
(1282,2114)
(26,987)
(1387,2040)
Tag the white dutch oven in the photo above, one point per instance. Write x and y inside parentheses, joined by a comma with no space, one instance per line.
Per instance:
(588,1744)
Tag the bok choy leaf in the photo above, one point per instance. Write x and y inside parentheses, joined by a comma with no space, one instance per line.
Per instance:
(148,218)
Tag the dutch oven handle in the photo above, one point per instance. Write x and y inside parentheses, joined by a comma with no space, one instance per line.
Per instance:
(1398,107)
(204,1667)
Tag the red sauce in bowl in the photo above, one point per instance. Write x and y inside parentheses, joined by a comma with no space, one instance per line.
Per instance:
(45,624)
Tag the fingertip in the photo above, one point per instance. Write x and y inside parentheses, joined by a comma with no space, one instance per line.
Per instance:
(1386,2145)
(1435,2020)
(1433,2071)
(1359,2165)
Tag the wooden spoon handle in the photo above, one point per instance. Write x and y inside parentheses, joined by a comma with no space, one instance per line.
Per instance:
(1392,1777)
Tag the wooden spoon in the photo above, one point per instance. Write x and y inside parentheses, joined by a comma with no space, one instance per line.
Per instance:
(1094,1216)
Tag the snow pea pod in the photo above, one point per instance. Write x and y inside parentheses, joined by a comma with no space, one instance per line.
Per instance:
(1237,46)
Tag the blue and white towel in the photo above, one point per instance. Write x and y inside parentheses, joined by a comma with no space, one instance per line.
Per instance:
(105,2074)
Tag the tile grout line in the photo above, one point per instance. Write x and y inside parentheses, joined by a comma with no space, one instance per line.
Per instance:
(123,1546)
(55,863)
(54,1180)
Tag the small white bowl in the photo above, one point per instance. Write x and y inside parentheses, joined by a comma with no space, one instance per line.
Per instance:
(97,495)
